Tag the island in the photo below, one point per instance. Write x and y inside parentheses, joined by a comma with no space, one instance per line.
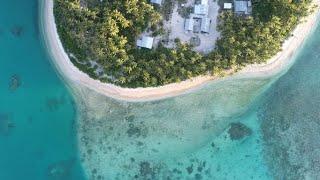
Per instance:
(152,49)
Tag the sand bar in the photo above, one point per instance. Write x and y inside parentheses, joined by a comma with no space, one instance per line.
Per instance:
(71,73)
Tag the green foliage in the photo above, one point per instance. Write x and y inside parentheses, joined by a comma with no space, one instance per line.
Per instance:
(247,40)
(106,32)
(167,8)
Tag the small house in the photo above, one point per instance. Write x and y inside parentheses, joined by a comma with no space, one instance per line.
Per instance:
(227,6)
(204,2)
(205,25)
(188,24)
(145,42)
(201,9)
(243,7)
(158,2)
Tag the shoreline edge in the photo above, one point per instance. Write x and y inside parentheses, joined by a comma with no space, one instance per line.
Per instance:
(71,73)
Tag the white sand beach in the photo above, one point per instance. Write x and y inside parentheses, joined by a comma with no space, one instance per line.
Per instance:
(73,74)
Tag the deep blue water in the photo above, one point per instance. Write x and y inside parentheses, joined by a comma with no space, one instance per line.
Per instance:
(37,116)
(185,137)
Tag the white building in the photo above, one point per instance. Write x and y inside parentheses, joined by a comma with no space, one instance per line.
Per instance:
(159,2)
(204,2)
(201,9)
(145,42)
(227,5)
(242,7)
(188,24)
(205,25)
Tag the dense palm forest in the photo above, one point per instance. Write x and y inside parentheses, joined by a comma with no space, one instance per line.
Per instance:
(105,32)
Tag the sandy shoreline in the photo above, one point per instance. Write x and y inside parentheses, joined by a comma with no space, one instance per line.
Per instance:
(73,74)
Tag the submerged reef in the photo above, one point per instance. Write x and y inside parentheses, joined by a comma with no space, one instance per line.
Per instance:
(54,103)
(17,30)
(238,131)
(177,138)
(60,170)
(290,125)
(15,82)
(6,124)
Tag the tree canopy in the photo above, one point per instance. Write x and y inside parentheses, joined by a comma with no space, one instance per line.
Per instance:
(105,32)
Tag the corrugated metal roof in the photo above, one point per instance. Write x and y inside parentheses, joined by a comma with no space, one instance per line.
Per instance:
(240,6)
(227,5)
(204,2)
(201,9)
(205,25)
(243,6)
(156,1)
(188,25)
(145,42)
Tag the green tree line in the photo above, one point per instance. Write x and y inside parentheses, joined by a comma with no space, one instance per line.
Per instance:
(106,32)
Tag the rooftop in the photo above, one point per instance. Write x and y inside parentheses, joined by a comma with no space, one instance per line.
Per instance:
(205,25)
(188,25)
(204,2)
(227,5)
(201,9)
(145,42)
(242,7)
(156,1)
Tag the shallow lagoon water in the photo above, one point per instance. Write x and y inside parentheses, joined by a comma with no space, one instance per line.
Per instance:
(290,118)
(188,137)
(43,136)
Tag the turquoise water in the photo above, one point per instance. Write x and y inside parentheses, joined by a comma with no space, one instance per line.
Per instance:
(165,138)
(190,137)
(37,113)
(237,128)
(290,118)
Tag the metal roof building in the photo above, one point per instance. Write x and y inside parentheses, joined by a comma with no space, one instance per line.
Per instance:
(188,24)
(159,2)
(204,2)
(205,25)
(201,9)
(145,42)
(227,5)
(242,7)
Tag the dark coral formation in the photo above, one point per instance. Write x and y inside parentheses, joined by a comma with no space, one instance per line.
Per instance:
(15,82)
(146,170)
(137,130)
(17,31)
(290,121)
(60,170)
(53,104)
(129,147)
(6,124)
(238,131)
